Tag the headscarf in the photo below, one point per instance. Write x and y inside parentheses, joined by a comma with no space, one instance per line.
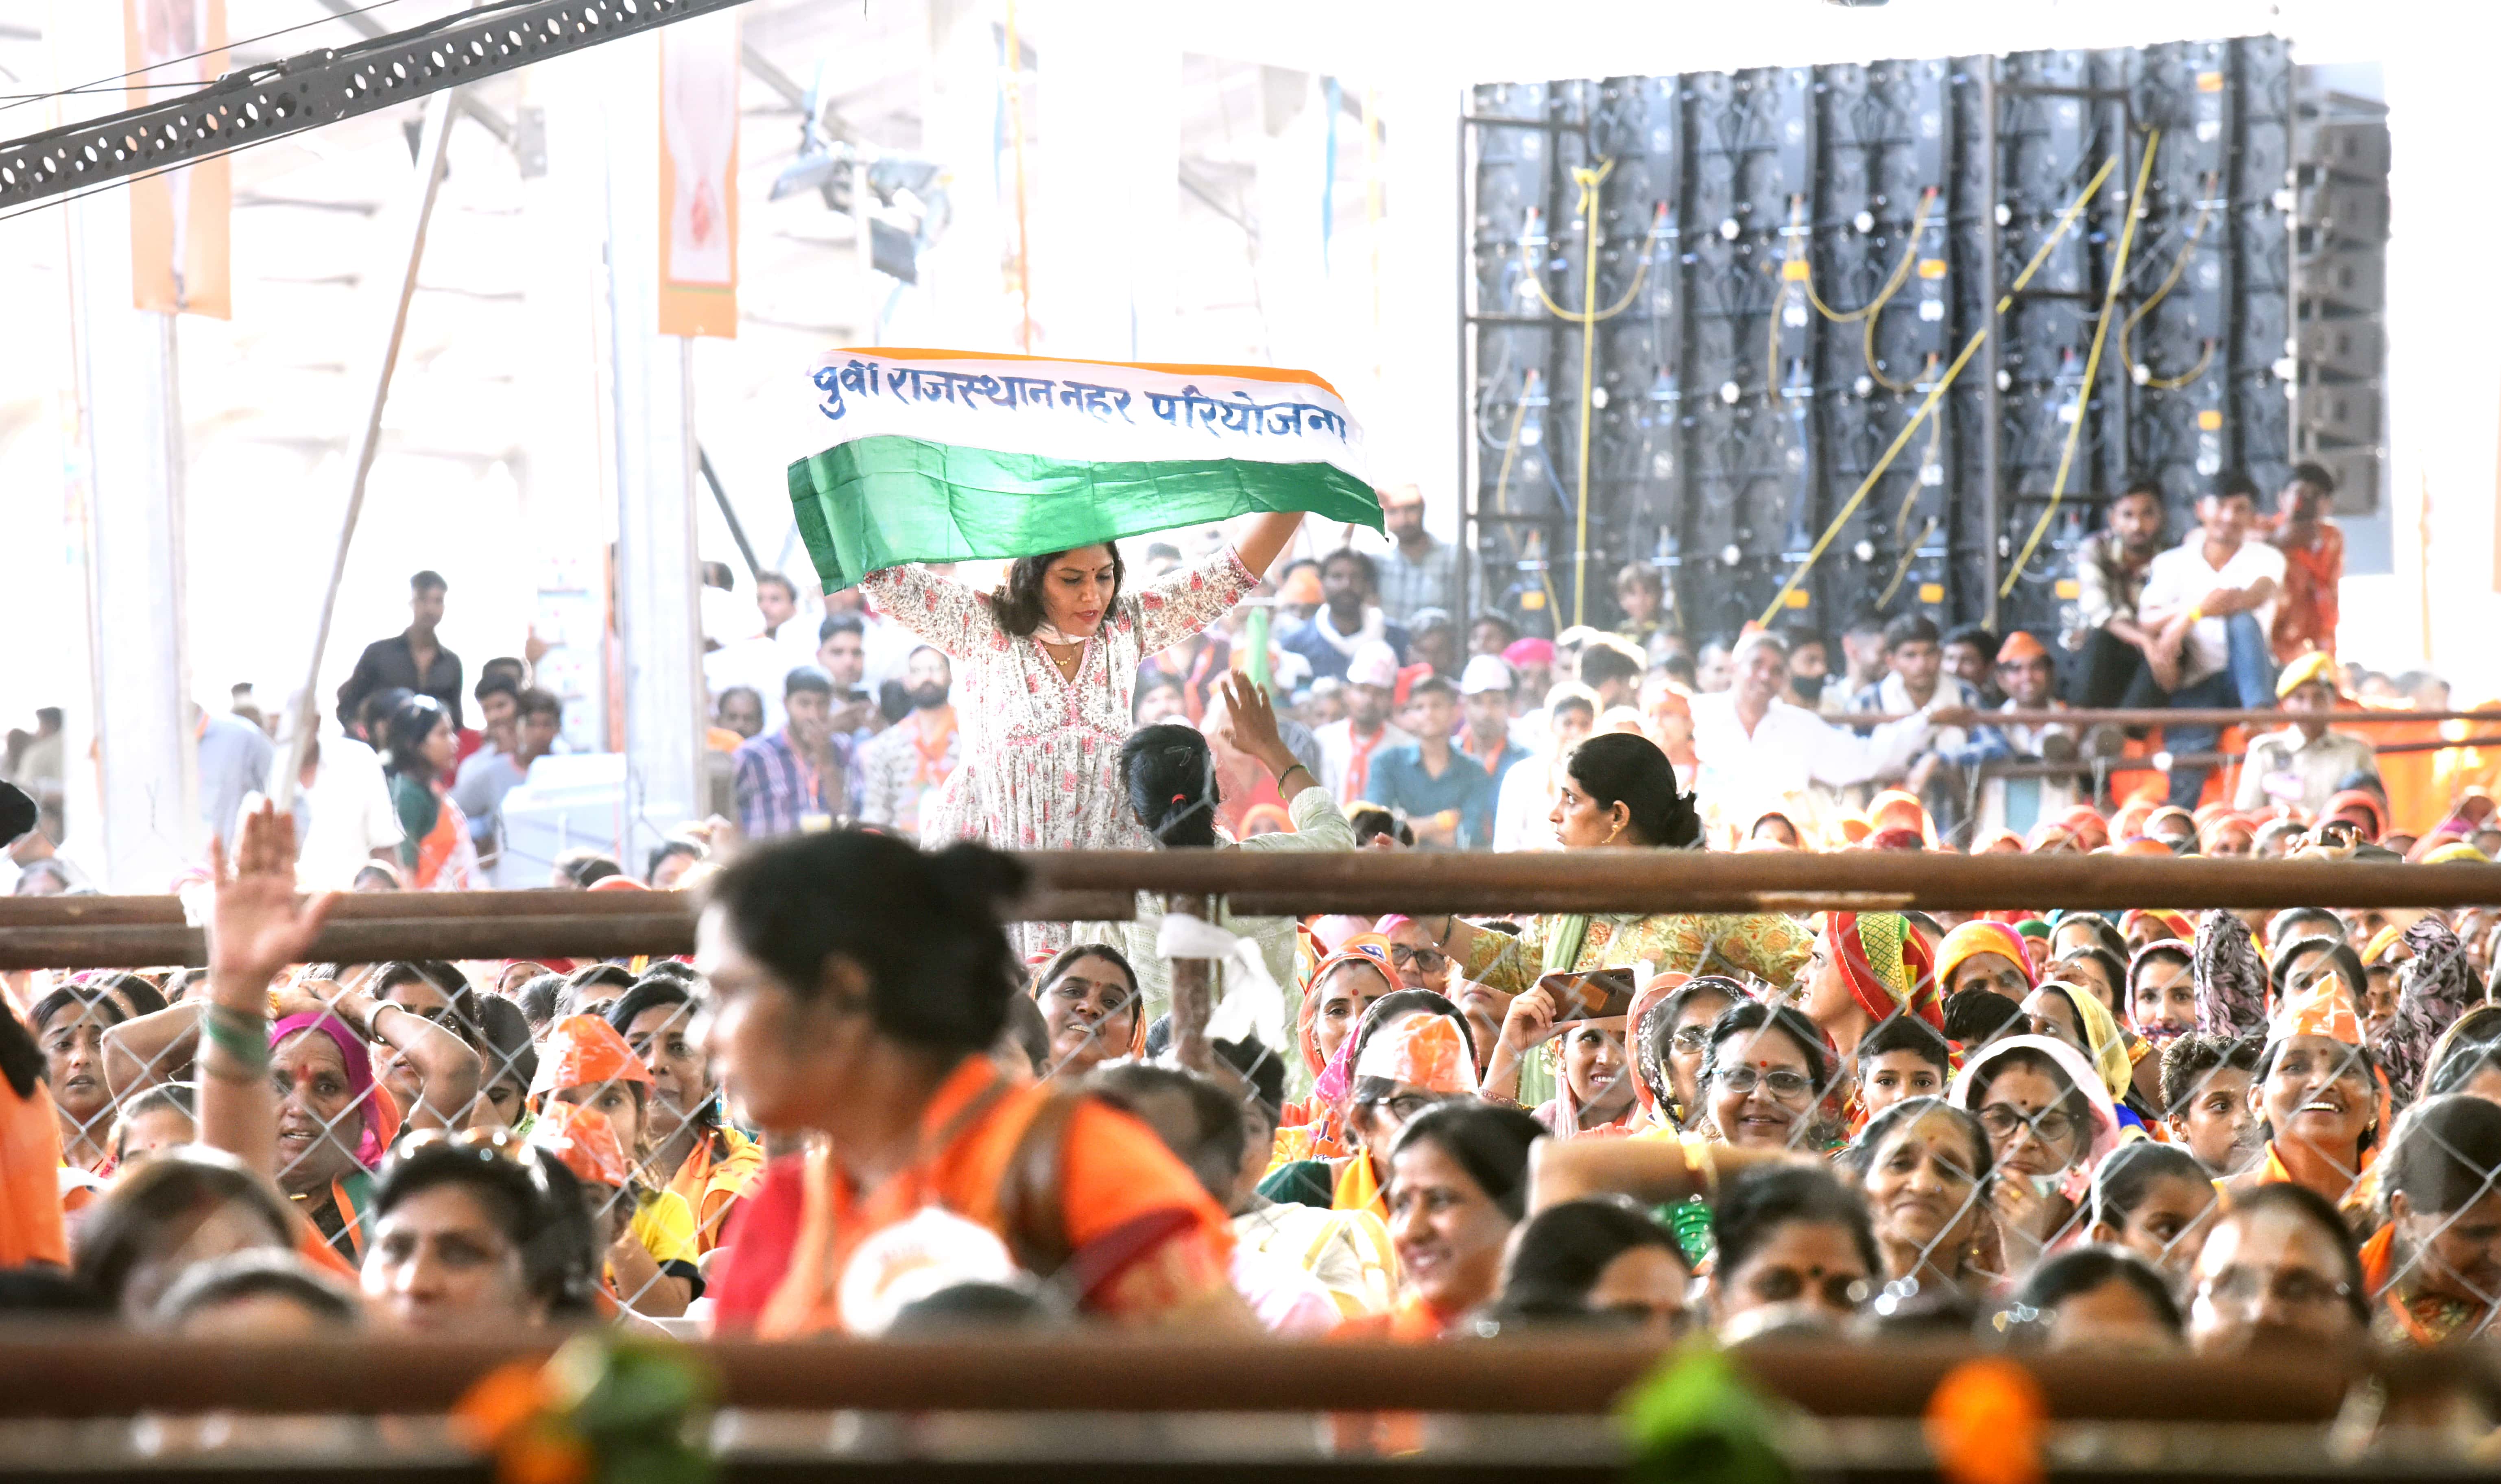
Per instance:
(2085,824)
(1647,999)
(1983,937)
(584,1052)
(1529,651)
(1428,1051)
(2103,1040)
(585,1141)
(2438,850)
(2434,988)
(1362,947)
(382,1115)
(1895,808)
(2080,1074)
(2230,979)
(1875,951)
(2174,924)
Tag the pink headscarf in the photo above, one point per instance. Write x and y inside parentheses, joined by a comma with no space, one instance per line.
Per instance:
(380,1114)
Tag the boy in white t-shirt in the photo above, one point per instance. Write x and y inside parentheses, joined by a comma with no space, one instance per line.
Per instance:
(2209,603)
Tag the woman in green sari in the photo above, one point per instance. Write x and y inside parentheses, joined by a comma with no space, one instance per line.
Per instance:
(1617,792)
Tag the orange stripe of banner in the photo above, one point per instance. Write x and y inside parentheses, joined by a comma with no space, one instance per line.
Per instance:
(1237,373)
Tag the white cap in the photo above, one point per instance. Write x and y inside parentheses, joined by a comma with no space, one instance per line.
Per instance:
(1373,664)
(1484,672)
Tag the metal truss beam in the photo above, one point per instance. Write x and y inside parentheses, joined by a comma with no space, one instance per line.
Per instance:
(255,104)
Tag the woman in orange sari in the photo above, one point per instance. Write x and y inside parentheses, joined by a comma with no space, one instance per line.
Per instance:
(856,988)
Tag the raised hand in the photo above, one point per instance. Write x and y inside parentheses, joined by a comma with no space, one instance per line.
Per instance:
(1250,725)
(257,925)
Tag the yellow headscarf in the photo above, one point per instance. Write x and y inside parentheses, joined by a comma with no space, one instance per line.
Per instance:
(2103,1040)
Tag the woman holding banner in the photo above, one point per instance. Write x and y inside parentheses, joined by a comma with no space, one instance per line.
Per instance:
(1044,669)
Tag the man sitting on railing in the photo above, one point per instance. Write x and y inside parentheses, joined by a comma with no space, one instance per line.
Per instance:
(2304,765)
(2208,602)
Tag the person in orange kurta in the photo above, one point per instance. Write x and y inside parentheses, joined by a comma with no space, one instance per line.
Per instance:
(2314,564)
(857,988)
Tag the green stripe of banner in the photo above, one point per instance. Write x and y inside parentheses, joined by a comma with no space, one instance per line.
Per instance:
(880,501)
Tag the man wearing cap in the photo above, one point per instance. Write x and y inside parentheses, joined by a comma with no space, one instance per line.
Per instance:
(2305,764)
(1485,696)
(2026,673)
(1347,746)
(1419,572)
(1349,620)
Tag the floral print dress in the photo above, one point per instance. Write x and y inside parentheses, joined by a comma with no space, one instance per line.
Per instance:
(1041,753)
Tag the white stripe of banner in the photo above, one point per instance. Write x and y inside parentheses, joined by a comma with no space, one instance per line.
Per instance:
(1083,412)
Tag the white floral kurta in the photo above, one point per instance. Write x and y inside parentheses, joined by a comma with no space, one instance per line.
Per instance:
(1041,755)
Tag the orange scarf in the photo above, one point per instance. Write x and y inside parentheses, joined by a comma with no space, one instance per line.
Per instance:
(1357,1188)
(1359,764)
(931,770)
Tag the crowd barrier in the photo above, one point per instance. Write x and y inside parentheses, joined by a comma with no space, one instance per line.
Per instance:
(103,932)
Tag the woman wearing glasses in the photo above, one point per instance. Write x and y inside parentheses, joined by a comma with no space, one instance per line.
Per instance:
(1618,792)
(2278,1272)
(1671,1037)
(1766,1077)
(2049,1123)
(1411,1053)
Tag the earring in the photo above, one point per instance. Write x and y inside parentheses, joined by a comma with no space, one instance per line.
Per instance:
(1617,830)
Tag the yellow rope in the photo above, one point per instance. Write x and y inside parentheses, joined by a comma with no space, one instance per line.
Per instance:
(2128,327)
(1902,568)
(2092,365)
(1937,391)
(1892,286)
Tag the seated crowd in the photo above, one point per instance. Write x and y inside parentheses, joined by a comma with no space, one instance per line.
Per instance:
(854,1111)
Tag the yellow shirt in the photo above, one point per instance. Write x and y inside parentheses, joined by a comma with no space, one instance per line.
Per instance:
(665,1225)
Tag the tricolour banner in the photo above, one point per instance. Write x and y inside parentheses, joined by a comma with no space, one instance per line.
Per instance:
(949,456)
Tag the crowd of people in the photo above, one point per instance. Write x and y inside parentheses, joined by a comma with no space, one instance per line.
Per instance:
(872,1103)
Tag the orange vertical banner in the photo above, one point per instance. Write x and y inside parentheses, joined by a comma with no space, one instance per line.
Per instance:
(178,218)
(699,76)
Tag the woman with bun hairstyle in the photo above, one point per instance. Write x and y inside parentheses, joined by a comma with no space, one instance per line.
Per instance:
(1618,792)
(1169,772)
(855,987)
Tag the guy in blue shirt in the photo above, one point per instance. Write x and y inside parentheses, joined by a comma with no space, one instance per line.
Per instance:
(1448,798)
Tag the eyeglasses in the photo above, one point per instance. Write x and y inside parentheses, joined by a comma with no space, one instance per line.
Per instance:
(1785,1085)
(1692,1038)
(1404,1107)
(2248,1288)
(2003,1121)
(1426,959)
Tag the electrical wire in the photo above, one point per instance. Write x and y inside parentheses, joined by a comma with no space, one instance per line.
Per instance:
(1938,388)
(2092,365)
(107,84)
(2143,375)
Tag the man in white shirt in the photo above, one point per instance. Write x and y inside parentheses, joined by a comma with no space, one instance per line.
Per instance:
(344,819)
(1758,753)
(2209,603)
(1348,747)
(761,661)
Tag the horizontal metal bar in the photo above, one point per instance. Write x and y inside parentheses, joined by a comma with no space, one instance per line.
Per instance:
(84,1373)
(1072,885)
(271,101)
(1550,125)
